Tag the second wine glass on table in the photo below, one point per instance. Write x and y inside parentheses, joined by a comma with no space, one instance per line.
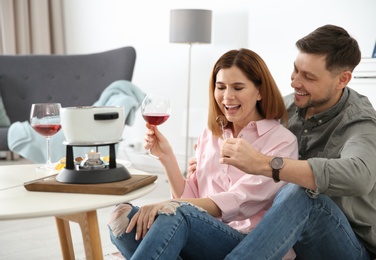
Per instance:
(155,110)
(45,120)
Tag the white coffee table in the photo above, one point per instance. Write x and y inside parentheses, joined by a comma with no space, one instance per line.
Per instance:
(18,203)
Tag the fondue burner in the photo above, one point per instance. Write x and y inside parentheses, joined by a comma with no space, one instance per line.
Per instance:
(92,161)
(92,170)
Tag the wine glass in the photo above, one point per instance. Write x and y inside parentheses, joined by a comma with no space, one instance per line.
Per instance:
(45,120)
(155,110)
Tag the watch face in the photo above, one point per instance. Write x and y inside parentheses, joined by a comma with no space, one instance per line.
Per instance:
(277,163)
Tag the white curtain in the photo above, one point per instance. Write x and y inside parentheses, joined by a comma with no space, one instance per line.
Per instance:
(31,27)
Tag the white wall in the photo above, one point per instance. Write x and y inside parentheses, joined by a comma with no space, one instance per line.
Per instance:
(276,25)
(269,27)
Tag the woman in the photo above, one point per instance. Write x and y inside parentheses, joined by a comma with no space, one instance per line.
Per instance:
(213,209)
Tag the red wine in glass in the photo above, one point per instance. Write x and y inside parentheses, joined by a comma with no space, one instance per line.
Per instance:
(155,110)
(47,130)
(155,118)
(45,120)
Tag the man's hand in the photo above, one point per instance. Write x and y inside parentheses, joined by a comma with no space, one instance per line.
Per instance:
(192,164)
(241,154)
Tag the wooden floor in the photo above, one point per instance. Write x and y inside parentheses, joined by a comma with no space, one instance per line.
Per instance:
(37,239)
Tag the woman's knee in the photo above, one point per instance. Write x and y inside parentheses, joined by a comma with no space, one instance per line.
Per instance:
(119,219)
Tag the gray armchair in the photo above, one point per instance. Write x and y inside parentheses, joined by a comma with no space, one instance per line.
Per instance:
(72,80)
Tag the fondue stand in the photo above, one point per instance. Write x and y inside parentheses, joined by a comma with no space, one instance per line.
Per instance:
(93,169)
(92,126)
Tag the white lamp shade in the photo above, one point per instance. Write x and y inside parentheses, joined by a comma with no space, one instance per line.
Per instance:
(190,26)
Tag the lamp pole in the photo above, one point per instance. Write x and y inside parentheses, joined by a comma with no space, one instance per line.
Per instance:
(190,26)
(188,108)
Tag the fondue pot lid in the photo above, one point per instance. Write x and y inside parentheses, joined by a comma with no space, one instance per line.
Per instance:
(91,107)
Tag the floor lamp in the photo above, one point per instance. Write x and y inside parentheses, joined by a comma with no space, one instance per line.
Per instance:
(190,26)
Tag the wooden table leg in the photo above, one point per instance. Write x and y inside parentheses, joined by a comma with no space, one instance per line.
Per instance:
(65,238)
(88,222)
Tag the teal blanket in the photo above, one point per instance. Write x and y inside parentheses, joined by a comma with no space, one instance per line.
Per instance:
(23,140)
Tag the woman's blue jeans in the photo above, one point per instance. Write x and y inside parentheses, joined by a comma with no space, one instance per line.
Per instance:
(315,227)
(189,234)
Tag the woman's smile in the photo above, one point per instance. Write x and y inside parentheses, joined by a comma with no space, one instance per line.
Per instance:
(232,109)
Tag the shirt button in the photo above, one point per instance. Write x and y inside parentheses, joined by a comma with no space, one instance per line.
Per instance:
(305,131)
(320,122)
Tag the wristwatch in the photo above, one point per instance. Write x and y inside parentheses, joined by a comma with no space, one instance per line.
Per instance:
(276,163)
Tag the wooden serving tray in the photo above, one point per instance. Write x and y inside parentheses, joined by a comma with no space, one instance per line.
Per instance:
(111,188)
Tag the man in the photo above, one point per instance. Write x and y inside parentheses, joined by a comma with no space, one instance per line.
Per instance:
(328,209)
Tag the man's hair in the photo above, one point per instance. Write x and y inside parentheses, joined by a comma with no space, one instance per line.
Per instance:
(341,50)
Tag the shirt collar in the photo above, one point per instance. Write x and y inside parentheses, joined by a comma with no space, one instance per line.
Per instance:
(330,113)
(262,126)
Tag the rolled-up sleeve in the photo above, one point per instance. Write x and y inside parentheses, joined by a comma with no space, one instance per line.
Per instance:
(350,172)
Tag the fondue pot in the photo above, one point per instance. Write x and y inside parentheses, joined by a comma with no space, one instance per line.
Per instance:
(92,124)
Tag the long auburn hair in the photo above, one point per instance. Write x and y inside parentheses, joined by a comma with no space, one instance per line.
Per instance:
(271,105)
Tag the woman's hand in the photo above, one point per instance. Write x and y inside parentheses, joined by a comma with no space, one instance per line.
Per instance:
(156,142)
(146,215)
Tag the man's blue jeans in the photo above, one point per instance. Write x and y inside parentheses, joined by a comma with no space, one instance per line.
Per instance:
(189,234)
(316,227)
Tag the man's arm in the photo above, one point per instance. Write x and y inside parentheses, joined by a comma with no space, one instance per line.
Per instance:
(298,172)
(239,153)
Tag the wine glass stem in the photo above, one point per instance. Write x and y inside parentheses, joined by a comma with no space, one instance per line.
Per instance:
(48,147)
(148,152)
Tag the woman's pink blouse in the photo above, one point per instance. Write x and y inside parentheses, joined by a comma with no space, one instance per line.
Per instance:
(243,198)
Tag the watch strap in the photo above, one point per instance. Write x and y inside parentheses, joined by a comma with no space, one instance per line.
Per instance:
(275,175)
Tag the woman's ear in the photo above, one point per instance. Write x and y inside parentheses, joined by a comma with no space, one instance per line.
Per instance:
(259,97)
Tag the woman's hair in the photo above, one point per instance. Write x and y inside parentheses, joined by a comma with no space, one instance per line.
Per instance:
(341,50)
(271,105)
